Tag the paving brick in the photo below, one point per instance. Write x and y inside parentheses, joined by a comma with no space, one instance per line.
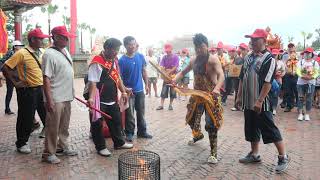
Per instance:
(178,160)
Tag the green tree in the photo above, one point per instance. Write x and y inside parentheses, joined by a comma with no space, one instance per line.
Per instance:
(82,27)
(299,47)
(306,36)
(290,39)
(10,26)
(316,43)
(318,31)
(50,10)
(66,21)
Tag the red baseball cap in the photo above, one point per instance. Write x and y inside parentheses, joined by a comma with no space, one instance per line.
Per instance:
(212,49)
(220,45)
(275,51)
(62,30)
(243,46)
(232,49)
(168,47)
(258,33)
(185,50)
(309,50)
(37,33)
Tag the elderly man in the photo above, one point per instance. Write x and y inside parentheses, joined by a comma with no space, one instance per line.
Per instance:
(104,78)
(256,76)
(29,86)
(59,92)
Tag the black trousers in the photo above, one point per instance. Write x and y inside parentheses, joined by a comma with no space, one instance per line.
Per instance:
(30,100)
(10,88)
(230,83)
(260,124)
(114,126)
(290,90)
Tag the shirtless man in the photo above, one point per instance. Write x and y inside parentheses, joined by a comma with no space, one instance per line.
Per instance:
(209,77)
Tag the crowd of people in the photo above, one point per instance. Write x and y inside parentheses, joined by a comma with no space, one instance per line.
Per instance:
(257,76)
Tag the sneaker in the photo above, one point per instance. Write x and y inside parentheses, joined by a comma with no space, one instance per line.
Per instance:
(104,152)
(145,135)
(212,160)
(287,109)
(306,117)
(250,158)
(52,159)
(125,146)
(42,133)
(129,137)
(274,112)
(300,117)
(159,108)
(234,109)
(170,108)
(66,152)
(283,163)
(283,105)
(24,149)
(193,140)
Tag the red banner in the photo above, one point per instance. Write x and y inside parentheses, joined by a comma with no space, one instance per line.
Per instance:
(3,33)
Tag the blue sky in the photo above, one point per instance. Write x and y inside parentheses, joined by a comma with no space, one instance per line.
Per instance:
(151,21)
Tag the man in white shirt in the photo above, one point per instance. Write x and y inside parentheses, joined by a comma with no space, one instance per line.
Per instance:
(59,92)
(152,73)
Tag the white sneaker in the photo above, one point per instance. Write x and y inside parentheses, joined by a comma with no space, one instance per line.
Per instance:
(24,149)
(274,112)
(52,159)
(125,146)
(105,152)
(306,117)
(300,117)
(42,133)
(212,160)
(234,109)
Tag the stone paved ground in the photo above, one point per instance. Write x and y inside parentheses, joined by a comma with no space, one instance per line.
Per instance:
(178,160)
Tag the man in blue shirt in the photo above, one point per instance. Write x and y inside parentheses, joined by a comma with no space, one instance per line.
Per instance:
(133,69)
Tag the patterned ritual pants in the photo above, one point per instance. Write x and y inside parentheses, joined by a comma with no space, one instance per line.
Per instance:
(195,125)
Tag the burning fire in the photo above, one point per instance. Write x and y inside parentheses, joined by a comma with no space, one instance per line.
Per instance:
(142,173)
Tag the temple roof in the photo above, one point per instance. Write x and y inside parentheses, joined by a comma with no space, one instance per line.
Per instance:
(13,4)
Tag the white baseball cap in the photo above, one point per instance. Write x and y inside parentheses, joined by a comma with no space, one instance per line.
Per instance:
(17,43)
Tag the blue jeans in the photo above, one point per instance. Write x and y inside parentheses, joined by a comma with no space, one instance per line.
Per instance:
(275,98)
(136,103)
(305,93)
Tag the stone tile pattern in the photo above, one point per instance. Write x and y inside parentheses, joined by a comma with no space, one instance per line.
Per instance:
(178,160)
